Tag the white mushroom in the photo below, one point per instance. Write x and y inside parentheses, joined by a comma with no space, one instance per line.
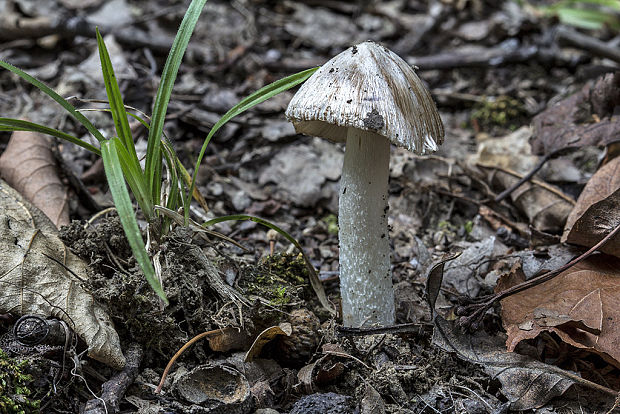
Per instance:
(366,96)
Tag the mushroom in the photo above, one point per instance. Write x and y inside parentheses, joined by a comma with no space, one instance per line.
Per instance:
(366,96)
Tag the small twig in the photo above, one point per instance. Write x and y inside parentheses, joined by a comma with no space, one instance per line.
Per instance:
(64,266)
(591,45)
(98,215)
(527,177)
(539,183)
(523,179)
(459,197)
(616,404)
(200,230)
(114,390)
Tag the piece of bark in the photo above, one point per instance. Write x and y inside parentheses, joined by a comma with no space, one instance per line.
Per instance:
(28,165)
(114,389)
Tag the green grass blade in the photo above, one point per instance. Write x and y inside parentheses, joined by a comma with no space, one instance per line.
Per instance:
(612,4)
(254,99)
(52,94)
(585,19)
(117,107)
(169,74)
(172,199)
(10,124)
(314,278)
(114,174)
(136,180)
(182,175)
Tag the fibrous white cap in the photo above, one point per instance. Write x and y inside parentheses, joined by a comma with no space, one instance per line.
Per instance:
(370,88)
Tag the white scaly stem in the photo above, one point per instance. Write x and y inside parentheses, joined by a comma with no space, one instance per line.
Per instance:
(365,276)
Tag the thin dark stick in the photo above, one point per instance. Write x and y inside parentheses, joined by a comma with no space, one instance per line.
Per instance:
(587,43)
(189,343)
(113,390)
(527,177)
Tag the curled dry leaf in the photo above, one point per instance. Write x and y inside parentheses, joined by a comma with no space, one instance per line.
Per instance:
(265,337)
(38,275)
(584,118)
(597,211)
(229,339)
(28,165)
(581,305)
(323,371)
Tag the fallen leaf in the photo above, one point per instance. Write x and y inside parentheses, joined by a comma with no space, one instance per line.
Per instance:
(112,14)
(229,339)
(265,337)
(434,280)
(28,165)
(597,211)
(320,28)
(509,152)
(323,371)
(545,206)
(581,305)
(88,71)
(39,275)
(215,385)
(464,274)
(570,123)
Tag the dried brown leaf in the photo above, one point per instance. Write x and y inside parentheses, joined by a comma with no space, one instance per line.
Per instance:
(28,165)
(372,403)
(229,339)
(324,370)
(267,336)
(581,305)
(38,275)
(597,211)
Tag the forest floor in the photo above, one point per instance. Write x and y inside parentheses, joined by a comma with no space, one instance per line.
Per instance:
(512,87)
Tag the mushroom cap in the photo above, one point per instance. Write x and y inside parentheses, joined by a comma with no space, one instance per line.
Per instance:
(368,87)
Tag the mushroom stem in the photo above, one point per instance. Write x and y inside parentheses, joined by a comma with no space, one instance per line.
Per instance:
(365,275)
